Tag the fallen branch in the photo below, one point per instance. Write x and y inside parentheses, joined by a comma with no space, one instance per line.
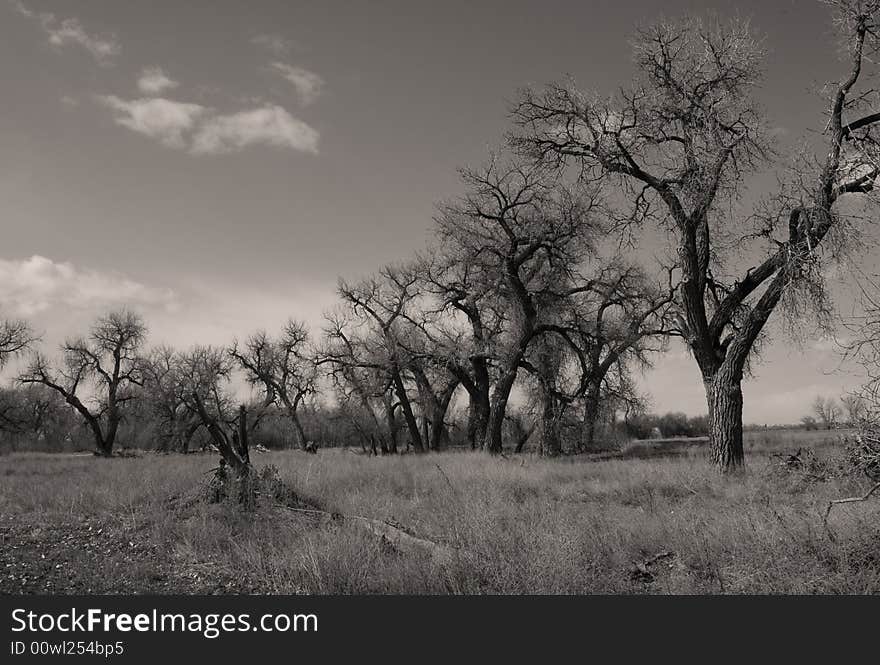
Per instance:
(852,499)
(639,571)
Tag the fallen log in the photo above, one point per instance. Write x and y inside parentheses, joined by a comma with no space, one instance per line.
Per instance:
(393,535)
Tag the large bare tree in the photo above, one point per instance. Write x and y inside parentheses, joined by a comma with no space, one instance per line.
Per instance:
(105,364)
(283,367)
(360,381)
(613,324)
(461,328)
(678,146)
(527,234)
(379,303)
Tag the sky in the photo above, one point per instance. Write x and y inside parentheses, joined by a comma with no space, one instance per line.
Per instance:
(219,164)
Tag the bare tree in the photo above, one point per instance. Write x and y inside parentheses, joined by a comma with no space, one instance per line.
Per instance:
(827,411)
(616,322)
(205,371)
(34,412)
(854,405)
(678,147)
(527,233)
(462,328)
(864,349)
(15,337)
(360,381)
(284,367)
(105,362)
(162,391)
(380,304)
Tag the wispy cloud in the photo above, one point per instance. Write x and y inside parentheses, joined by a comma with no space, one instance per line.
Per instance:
(308,84)
(269,125)
(70,31)
(276,44)
(33,285)
(162,119)
(154,81)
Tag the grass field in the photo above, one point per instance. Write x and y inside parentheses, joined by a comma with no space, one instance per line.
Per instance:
(519,525)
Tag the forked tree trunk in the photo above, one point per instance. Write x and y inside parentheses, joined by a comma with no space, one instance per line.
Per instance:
(725,402)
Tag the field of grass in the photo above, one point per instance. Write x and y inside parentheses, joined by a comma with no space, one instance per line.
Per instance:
(518,524)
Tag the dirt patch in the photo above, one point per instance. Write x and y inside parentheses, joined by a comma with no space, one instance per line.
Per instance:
(99,556)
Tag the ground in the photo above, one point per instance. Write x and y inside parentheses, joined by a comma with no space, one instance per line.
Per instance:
(653,524)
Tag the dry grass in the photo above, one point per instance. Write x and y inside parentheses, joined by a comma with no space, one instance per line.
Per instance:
(522,525)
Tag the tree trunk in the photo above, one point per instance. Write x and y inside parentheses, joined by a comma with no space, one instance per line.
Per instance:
(725,402)
(522,435)
(243,446)
(591,418)
(408,414)
(493,441)
(188,434)
(550,416)
(426,427)
(393,425)
(298,434)
(478,418)
(110,436)
(229,453)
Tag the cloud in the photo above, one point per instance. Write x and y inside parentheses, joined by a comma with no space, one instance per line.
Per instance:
(269,125)
(30,286)
(70,31)
(158,118)
(154,81)
(276,44)
(308,85)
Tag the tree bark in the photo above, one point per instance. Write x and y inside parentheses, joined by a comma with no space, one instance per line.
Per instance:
(478,418)
(725,402)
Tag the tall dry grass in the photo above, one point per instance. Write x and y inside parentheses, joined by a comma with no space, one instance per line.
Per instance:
(521,525)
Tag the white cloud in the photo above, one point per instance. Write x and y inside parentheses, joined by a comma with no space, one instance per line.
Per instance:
(276,44)
(204,131)
(308,85)
(70,31)
(269,125)
(154,81)
(159,118)
(30,286)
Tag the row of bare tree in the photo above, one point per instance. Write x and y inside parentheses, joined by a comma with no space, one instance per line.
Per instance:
(525,283)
